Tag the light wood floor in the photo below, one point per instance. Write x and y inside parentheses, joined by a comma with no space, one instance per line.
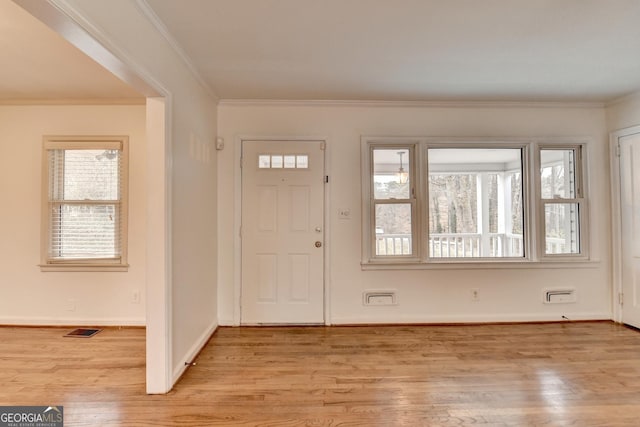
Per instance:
(571,374)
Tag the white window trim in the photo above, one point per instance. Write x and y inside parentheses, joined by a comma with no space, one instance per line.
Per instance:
(581,199)
(413,200)
(85,142)
(368,211)
(533,218)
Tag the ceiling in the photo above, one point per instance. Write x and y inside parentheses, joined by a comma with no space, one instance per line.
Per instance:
(39,65)
(400,50)
(421,50)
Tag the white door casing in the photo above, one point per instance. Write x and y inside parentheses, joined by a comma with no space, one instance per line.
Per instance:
(282,232)
(630,227)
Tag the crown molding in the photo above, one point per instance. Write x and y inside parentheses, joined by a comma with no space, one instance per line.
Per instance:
(74,101)
(148,12)
(404,104)
(635,96)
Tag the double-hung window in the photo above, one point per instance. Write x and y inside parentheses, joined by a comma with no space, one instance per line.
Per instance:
(393,193)
(562,201)
(84,218)
(428,200)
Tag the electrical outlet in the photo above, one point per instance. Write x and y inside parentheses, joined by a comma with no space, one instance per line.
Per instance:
(475,294)
(135,297)
(71,305)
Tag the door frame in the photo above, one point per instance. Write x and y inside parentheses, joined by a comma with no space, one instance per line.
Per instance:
(616,217)
(237,218)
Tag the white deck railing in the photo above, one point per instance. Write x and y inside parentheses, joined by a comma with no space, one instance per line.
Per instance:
(555,245)
(455,245)
(472,245)
(463,245)
(393,244)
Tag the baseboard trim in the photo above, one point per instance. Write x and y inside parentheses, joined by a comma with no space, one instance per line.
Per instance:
(67,321)
(181,367)
(466,319)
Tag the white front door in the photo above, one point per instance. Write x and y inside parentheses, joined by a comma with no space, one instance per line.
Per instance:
(282,232)
(630,227)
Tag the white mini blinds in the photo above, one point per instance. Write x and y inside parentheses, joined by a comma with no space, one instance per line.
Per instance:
(85,208)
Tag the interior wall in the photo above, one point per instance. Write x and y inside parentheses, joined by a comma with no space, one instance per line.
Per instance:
(624,113)
(428,295)
(194,237)
(191,163)
(27,295)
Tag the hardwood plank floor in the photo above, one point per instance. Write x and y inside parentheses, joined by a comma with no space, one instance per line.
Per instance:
(565,374)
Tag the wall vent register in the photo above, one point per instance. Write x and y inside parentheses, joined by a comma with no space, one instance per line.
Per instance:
(379,298)
(559,296)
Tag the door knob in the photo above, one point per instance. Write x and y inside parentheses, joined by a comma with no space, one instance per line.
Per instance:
(318,244)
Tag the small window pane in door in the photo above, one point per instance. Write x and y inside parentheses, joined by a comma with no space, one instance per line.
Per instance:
(562,228)
(276,161)
(264,161)
(289,162)
(302,161)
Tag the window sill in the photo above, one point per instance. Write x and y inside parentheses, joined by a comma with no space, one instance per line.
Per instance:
(64,267)
(479,265)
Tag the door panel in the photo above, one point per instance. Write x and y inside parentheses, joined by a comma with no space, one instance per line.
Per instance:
(267,212)
(282,219)
(267,277)
(299,277)
(630,223)
(299,208)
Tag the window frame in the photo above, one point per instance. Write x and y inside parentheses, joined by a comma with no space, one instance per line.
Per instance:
(412,200)
(525,168)
(533,218)
(65,142)
(580,199)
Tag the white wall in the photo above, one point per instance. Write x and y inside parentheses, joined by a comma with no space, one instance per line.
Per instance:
(144,54)
(27,295)
(624,113)
(424,295)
